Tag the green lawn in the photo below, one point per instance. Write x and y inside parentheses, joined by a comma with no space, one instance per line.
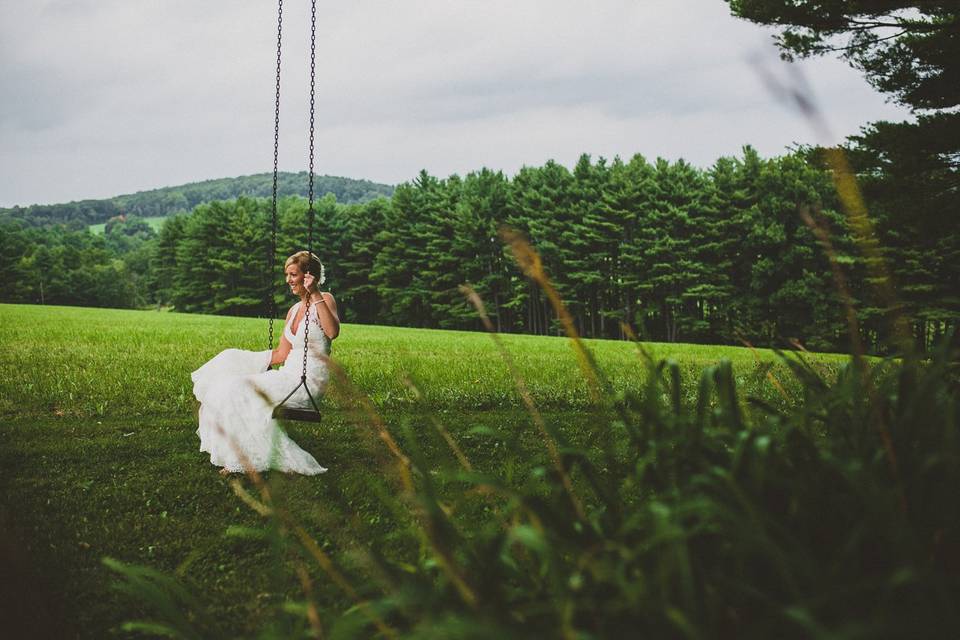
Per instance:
(84,363)
(154,221)
(98,455)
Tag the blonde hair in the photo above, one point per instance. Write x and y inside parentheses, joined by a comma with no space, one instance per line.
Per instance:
(307,263)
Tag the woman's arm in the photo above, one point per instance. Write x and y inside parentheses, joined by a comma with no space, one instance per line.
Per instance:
(326,307)
(329,319)
(279,354)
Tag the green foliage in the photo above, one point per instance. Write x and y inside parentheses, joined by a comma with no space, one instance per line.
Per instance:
(908,48)
(910,176)
(68,268)
(909,171)
(220,261)
(167,598)
(172,200)
(155,223)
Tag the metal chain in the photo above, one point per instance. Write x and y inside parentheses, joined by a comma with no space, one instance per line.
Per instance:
(272,258)
(313,58)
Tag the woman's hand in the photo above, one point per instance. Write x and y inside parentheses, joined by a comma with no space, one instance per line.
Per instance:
(309,281)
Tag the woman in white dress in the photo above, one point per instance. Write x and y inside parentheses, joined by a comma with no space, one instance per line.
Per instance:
(237,389)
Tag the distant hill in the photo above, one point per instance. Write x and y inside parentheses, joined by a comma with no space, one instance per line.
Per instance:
(168,200)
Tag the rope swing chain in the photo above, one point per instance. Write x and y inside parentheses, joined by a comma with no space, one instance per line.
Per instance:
(272,254)
(310,214)
(280,411)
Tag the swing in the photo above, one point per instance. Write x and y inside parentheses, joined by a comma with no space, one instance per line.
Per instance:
(281,411)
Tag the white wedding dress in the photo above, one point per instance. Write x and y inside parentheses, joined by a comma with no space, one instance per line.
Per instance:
(237,393)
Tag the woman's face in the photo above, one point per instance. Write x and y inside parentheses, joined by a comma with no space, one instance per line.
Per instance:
(294,279)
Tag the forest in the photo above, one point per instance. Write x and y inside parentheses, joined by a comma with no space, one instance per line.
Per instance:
(178,199)
(681,254)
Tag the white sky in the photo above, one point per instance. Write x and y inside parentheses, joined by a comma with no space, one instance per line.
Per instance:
(103,97)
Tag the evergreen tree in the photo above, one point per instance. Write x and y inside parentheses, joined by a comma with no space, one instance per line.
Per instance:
(402,270)
(357,296)
(478,252)
(910,50)
(591,242)
(163,263)
(628,200)
(220,260)
(671,270)
(540,208)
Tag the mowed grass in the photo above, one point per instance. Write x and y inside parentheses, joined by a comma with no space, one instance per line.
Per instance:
(98,455)
(77,362)
(73,491)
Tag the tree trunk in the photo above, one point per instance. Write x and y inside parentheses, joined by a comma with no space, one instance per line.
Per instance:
(593,316)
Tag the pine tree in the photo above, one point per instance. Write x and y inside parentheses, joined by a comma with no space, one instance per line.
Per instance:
(672,270)
(629,199)
(477,251)
(357,293)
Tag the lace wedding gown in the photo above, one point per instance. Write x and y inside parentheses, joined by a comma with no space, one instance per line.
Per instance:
(237,394)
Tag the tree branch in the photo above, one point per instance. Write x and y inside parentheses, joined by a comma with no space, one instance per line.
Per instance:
(862,45)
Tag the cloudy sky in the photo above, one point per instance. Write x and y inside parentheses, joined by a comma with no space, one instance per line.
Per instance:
(103,97)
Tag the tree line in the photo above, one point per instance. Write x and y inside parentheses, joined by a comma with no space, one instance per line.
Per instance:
(678,253)
(69,267)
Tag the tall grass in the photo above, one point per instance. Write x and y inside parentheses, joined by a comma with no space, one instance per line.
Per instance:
(834,515)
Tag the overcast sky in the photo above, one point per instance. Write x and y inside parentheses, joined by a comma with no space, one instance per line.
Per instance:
(104,97)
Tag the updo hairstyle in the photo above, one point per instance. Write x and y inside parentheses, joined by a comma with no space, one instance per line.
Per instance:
(307,263)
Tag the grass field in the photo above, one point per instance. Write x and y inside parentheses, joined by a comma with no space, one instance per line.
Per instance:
(85,363)
(98,455)
(154,221)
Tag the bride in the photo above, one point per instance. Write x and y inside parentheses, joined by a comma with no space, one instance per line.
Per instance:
(237,389)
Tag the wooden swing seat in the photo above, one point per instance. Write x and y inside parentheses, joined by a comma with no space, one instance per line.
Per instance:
(297,415)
